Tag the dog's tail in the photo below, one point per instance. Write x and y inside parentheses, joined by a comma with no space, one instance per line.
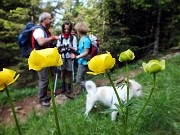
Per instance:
(90,86)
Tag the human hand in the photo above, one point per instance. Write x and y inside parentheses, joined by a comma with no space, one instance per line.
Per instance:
(54,38)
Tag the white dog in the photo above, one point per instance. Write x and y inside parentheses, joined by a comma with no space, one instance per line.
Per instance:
(106,95)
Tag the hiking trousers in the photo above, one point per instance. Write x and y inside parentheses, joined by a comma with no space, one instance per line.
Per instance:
(80,77)
(43,82)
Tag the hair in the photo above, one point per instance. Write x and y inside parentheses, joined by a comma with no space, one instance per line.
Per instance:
(82,28)
(43,15)
(67,23)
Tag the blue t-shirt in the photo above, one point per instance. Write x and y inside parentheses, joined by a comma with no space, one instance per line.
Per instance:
(83,43)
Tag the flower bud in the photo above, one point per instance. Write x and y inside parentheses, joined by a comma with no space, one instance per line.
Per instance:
(126,56)
(154,66)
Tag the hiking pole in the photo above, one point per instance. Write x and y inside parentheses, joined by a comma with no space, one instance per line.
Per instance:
(73,70)
(55,82)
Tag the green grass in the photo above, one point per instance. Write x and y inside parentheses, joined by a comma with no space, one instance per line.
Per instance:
(160,117)
(17,94)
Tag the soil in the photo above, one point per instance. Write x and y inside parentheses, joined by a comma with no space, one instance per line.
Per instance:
(26,106)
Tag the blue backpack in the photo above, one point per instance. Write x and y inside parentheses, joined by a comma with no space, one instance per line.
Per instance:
(25,39)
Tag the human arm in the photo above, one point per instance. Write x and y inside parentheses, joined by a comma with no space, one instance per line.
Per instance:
(86,52)
(84,48)
(42,41)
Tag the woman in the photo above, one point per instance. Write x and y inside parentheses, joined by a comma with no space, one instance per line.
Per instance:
(67,44)
(83,50)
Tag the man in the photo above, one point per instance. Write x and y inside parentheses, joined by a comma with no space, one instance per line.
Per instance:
(43,39)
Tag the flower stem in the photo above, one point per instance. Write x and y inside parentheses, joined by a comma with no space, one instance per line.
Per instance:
(120,104)
(127,76)
(53,102)
(127,100)
(13,110)
(150,94)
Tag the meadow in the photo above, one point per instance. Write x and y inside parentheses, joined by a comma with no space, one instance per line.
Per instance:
(160,117)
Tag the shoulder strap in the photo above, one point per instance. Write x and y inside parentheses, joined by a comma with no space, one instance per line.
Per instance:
(61,39)
(71,39)
(32,38)
(90,42)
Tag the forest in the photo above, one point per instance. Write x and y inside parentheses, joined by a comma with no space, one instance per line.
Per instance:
(144,26)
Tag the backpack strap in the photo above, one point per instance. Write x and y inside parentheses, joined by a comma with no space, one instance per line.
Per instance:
(71,39)
(61,39)
(90,49)
(33,39)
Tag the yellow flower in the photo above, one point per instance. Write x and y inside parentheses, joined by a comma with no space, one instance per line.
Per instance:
(7,77)
(126,55)
(49,57)
(101,63)
(154,66)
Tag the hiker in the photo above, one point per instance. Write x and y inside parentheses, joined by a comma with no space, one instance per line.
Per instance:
(67,45)
(43,39)
(83,50)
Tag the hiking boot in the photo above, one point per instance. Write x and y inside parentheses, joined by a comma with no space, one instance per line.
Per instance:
(63,88)
(45,103)
(68,88)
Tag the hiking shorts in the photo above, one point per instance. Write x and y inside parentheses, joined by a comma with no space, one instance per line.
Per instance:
(67,65)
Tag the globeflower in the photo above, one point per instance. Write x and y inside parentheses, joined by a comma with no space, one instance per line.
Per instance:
(126,56)
(48,57)
(101,63)
(154,66)
(7,77)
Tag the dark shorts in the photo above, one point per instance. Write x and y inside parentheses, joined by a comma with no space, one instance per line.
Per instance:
(67,65)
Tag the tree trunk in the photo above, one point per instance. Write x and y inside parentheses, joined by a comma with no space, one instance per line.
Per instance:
(156,43)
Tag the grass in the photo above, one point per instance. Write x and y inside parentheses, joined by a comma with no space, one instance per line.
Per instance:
(17,94)
(160,117)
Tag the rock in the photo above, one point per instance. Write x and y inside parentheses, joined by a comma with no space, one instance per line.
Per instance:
(18,108)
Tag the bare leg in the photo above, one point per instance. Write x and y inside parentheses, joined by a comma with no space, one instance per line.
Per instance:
(69,75)
(63,80)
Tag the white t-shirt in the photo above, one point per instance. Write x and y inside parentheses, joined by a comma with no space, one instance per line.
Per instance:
(38,33)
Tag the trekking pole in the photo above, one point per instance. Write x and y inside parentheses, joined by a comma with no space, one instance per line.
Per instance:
(73,70)
(55,82)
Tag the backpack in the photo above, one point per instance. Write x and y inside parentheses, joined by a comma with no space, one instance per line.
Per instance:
(94,47)
(25,39)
